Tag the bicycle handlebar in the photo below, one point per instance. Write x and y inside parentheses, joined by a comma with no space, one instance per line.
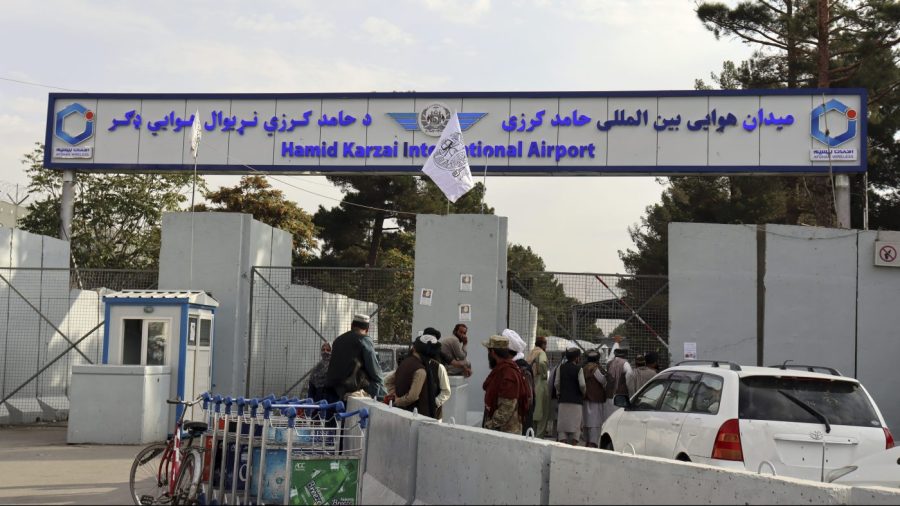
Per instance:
(178,401)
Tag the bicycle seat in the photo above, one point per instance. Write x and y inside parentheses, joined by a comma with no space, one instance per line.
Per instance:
(195,428)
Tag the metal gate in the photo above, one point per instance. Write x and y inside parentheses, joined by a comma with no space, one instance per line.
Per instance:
(294,310)
(591,308)
(50,320)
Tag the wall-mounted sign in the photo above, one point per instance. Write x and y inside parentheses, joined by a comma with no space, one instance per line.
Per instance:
(425,296)
(667,132)
(465,282)
(465,312)
(887,254)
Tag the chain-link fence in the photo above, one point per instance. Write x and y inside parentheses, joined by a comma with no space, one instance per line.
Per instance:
(294,310)
(591,309)
(50,320)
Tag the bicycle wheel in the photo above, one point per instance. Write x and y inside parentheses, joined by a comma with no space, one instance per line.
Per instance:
(149,482)
(187,481)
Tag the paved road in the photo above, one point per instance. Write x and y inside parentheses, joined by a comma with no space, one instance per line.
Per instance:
(38,467)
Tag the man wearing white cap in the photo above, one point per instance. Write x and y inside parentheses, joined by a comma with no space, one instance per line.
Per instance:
(354,365)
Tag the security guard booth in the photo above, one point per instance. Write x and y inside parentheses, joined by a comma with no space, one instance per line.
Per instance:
(163,328)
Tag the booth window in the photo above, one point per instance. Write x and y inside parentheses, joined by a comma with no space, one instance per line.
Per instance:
(205,331)
(132,342)
(156,343)
(144,342)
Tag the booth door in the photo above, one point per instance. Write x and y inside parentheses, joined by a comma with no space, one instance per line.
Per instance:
(190,362)
(203,361)
(197,373)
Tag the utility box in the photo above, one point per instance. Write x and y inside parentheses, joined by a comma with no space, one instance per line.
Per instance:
(163,328)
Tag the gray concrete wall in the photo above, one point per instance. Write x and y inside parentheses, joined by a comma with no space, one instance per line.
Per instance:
(712,291)
(825,302)
(226,247)
(810,296)
(447,246)
(26,341)
(288,346)
(878,330)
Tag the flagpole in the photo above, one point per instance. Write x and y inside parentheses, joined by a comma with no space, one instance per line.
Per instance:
(195,149)
(484,194)
(193,193)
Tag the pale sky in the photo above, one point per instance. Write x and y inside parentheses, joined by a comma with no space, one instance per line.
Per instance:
(280,46)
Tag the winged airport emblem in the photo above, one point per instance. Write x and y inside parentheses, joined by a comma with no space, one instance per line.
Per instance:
(432,119)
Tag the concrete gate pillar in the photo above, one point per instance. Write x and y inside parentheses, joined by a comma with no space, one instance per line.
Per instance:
(448,247)
(226,246)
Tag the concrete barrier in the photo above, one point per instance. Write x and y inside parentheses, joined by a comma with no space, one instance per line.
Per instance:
(467,465)
(874,495)
(391,451)
(414,459)
(582,475)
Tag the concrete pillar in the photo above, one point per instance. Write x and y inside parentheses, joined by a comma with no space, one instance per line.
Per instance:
(219,251)
(446,248)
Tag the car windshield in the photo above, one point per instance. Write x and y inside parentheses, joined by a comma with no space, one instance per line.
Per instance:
(385,359)
(841,402)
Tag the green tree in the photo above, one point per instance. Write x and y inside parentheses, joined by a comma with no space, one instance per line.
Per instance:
(254,195)
(116,220)
(378,215)
(528,278)
(861,52)
(824,43)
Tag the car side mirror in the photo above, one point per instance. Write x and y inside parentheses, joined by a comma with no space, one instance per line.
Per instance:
(622,401)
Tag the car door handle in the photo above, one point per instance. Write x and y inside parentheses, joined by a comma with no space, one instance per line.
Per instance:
(676,424)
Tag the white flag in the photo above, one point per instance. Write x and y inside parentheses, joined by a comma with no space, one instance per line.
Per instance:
(195,134)
(448,165)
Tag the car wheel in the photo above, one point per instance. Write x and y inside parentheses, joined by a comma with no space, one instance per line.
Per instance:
(683,458)
(606,443)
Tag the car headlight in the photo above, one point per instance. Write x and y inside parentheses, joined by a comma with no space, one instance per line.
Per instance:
(840,472)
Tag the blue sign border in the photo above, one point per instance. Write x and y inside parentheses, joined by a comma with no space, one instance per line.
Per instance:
(533,170)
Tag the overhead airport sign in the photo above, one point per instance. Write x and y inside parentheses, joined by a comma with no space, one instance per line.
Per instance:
(541,133)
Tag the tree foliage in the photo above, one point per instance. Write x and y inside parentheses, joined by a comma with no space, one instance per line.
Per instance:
(529,279)
(861,52)
(116,220)
(254,195)
(852,44)
(375,224)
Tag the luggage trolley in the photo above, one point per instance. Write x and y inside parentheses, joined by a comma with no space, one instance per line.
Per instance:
(325,465)
(241,432)
(216,422)
(264,479)
(221,469)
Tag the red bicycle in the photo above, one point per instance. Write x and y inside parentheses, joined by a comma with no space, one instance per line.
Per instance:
(169,473)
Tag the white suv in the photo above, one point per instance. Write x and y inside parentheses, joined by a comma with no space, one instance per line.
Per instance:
(789,420)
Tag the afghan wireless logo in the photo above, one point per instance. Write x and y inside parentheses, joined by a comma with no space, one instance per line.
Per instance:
(72,109)
(819,130)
